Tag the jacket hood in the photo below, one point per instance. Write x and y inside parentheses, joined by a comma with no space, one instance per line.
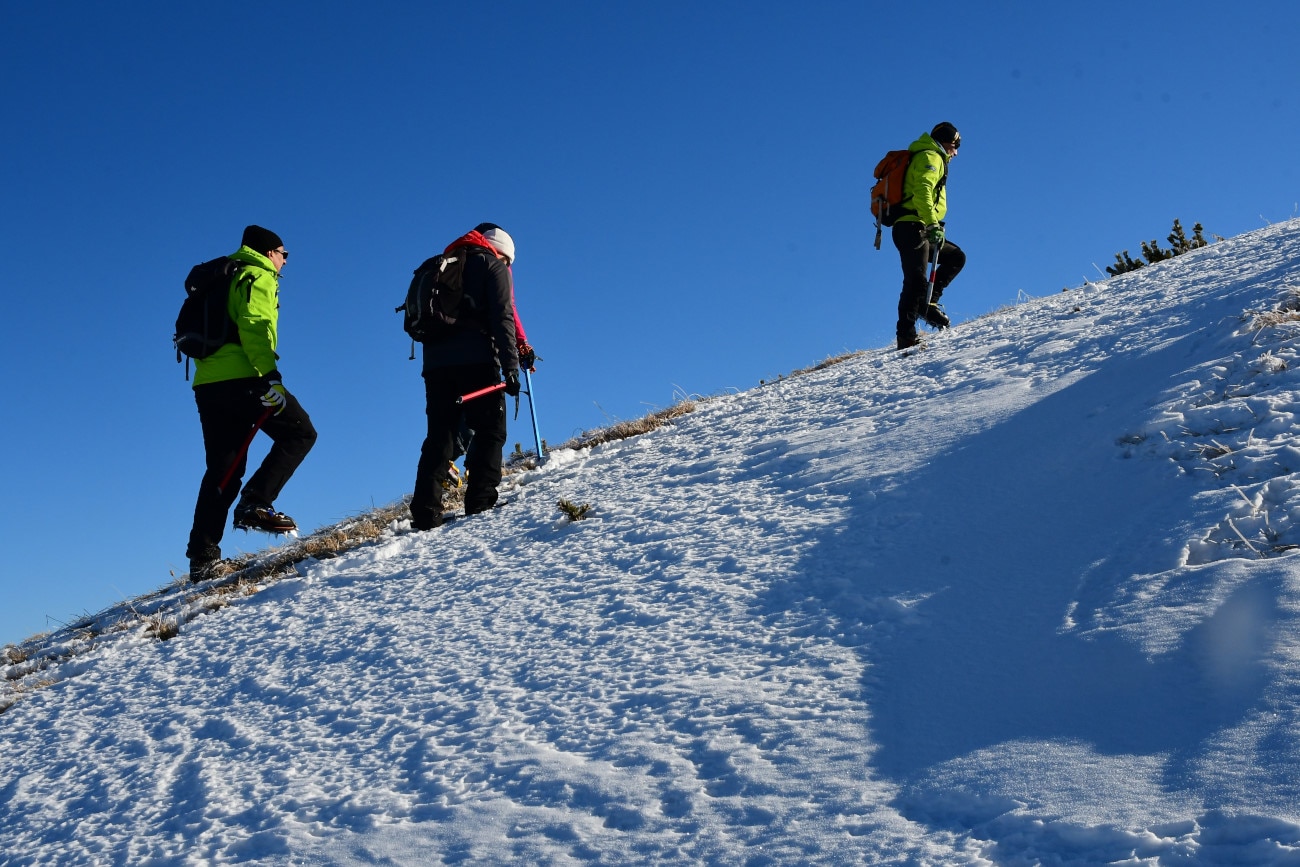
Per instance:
(472,239)
(926,143)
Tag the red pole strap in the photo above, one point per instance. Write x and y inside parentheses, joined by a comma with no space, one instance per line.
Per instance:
(500,386)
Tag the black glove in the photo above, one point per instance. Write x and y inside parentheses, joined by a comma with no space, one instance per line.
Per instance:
(512,383)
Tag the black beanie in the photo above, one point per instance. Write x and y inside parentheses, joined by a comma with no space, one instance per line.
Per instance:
(945,133)
(261,240)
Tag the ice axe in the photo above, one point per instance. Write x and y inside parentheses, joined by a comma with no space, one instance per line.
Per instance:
(532,410)
(489,390)
(243,450)
(934,269)
(500,386)
(532,406)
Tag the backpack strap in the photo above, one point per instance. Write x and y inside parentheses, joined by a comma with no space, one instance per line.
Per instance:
(247,278)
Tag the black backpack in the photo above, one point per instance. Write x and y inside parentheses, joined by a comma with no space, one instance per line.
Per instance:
(435,298)
(204,324)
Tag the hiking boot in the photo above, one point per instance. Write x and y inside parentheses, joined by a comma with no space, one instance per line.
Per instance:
(935,316)
(906,339)
(420,525)
(258,516)
(206,570)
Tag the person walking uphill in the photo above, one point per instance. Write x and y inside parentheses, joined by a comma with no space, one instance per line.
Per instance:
(476,351)
(237,388)
(527,357)
(921,229)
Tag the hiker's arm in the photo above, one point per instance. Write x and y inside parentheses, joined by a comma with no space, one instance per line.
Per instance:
(925,172)
(502,324)
(256,313)
(520,336)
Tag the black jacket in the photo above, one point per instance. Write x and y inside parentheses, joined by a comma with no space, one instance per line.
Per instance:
(486,332)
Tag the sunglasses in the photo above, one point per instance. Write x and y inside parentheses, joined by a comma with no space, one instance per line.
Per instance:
(283,253)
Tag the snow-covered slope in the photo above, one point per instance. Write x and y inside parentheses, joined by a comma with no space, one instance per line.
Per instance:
(1026,597)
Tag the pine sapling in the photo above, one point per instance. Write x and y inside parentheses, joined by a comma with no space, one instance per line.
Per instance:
(572,511)
(1152,253)
(1123,264)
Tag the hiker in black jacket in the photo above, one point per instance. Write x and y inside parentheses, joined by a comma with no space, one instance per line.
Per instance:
(479,351)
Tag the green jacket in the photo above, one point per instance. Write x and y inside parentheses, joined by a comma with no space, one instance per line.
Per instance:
(924,197)
(254,305)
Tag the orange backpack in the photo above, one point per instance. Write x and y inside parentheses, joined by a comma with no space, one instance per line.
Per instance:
(888,191)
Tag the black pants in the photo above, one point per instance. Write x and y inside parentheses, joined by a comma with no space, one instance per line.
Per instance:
(485,416)
(914,252)
(228,410)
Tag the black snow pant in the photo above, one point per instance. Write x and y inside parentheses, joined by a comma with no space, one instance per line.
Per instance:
(228,410)
(485,416)
(914,252)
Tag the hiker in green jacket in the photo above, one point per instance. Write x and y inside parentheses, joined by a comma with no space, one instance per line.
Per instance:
(237,388)
(921,229)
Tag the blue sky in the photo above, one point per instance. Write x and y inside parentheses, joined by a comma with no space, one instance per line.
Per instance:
(686,185)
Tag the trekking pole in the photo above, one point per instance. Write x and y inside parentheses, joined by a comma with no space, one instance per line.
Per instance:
(500,386)
(243,450)
(532,410)
(934,269)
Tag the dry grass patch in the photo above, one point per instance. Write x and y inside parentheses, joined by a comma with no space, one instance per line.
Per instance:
(13,654)
(1286,312)
(627,429)
(829,361)
(1273,319)
(15,691)
(162,627)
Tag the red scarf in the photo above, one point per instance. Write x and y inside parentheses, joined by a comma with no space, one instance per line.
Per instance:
(473,239)
(476,239)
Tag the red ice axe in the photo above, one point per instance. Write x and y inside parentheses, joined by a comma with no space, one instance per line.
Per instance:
(500,386)
(243,450)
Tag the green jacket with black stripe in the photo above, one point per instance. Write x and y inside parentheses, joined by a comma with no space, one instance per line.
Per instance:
(925,186)
(254,306)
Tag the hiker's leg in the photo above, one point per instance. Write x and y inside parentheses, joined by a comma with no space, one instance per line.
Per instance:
(486,416)
(914,256)
(951,260)
(292,435)
(226,416)
(441,388)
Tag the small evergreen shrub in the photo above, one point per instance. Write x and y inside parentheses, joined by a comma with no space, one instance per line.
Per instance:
(573,511)
(1152,252)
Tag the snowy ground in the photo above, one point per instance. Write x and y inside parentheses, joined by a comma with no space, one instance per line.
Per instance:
(1028,597)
